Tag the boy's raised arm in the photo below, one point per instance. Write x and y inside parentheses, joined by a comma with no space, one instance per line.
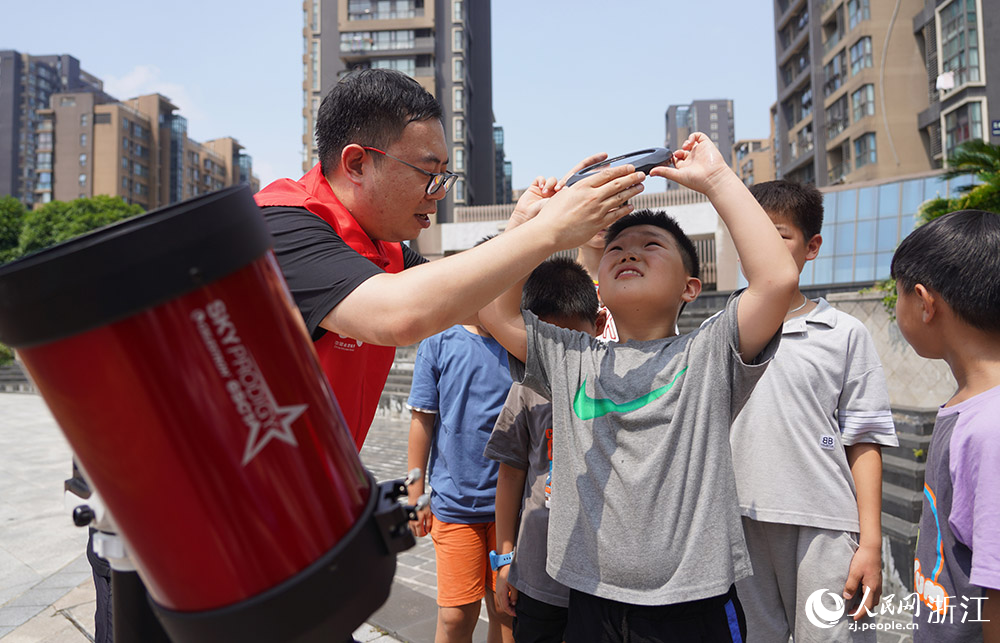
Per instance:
(768,266)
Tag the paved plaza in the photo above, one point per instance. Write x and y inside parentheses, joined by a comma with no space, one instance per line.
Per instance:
(46,591)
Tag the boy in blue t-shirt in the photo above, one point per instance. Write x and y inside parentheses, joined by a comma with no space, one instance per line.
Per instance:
(460,382)
(560,292)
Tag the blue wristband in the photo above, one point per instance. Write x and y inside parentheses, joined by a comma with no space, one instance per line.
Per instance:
(499,560)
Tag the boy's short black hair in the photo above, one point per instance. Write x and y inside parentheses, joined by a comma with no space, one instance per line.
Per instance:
(958,257)
(370,107)
(661,220)
(561,287)
(800,203)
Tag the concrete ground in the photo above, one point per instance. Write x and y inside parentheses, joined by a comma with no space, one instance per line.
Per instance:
(46,591)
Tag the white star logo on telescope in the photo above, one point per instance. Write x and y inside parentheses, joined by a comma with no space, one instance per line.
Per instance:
(284,415)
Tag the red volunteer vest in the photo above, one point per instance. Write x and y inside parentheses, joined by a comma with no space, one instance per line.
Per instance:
(356,371)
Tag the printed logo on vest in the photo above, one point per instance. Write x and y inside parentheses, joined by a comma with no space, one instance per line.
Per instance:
(347,343)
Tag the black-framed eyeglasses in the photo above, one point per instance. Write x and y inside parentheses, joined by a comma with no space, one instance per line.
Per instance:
(438,180)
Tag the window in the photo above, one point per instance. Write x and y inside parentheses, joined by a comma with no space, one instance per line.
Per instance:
(459,159)
(863,102)
(963,124)
(458,69)
(713,108)
(458,128)
(714,126)
(84,120)
(359,41)
(835,73)
(959,41)
(67,101)
(125,144)
(857,10)
(83,140)
(714,116)
(83,160)
(457,13)
(124,163)
(861,54)
(124,123)
(45,139)
(460,190)
(83,179)
(837,118)
(458,40)
(406,65)
(806,101)
(43,161)
(315,15)
(125,183)
(458,99)
(314,61)
(864,150)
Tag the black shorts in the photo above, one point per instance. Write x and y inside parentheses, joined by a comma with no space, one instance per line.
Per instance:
(538,621)
(600,620)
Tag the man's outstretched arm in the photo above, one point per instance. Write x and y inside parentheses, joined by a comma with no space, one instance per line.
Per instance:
(403,308)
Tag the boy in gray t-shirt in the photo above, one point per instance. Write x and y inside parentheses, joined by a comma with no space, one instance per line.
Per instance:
(644,525)
(560,292)
(807,455)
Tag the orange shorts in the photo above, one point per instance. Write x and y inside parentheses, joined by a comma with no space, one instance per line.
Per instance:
(463,566)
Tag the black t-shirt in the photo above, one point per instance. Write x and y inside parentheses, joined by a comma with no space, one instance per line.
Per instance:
(319,266)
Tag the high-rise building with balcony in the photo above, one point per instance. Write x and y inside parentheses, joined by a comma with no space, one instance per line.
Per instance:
(713,117)
(753,160)
(26,85)
(960,45)
(858,58)
(443,44)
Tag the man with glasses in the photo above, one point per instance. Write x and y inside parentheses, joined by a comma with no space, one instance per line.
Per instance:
(338,232)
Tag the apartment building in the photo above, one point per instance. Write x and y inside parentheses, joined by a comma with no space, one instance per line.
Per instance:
(713,117)
(860,60)
(27,84)
(958,42)
(753,160)
(88,144)
(443,44)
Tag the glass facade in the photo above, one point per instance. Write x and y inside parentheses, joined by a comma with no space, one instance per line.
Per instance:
(862,227)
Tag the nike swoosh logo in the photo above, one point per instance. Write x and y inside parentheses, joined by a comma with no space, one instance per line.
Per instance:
(588,408)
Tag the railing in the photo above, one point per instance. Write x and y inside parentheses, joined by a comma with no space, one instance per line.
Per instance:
(838,172)
(835,127)
(832,42)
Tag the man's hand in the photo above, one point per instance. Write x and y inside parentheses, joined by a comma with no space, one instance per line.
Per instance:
(575,214)
(865,572)
(697,165)
(541,189)
(506,594)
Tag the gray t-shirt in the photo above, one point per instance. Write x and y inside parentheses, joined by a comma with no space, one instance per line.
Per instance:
(522,438)
(644,504)
(824,390)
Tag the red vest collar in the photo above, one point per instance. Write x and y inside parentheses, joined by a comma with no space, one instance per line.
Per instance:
(313,192)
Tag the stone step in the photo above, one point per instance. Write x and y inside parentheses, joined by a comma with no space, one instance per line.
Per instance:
(908,442)
(902,503)
(913,422)
(903,471)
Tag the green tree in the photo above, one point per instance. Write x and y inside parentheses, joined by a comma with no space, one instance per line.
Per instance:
(12,214)
(60,221)
(975,158)
(23,232)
